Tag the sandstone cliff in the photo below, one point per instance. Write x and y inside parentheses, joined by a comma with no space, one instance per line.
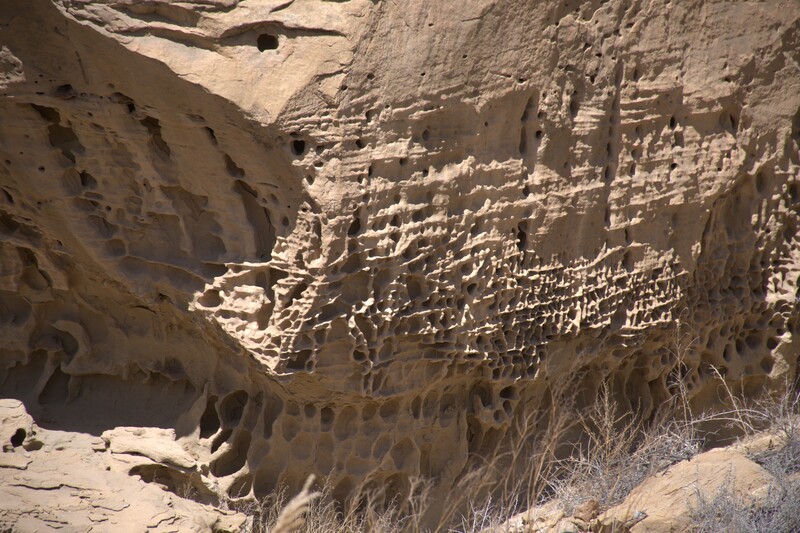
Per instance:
(358,238)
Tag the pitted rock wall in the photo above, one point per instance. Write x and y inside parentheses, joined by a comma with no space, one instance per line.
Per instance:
(357,239)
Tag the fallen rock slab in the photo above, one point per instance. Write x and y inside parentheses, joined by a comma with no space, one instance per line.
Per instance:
(663,503)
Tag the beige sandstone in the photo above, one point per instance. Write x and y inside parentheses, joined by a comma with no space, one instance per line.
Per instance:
(70,482)
(665,501)
(244,241)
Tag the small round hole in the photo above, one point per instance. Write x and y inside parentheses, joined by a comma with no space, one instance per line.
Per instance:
(18,437)
(298,147)
(266,41)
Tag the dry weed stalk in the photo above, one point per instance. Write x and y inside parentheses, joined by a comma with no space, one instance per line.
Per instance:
(520,476)
(776,510)
(619,452)
(292,516)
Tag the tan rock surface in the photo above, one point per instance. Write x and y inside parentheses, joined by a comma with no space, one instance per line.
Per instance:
(70,482)
(663,503)
(356,239)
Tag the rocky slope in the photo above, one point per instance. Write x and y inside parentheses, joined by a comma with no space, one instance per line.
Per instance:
(724,489)
(358,238)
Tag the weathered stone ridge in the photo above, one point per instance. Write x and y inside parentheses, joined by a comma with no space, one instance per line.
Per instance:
(358,239)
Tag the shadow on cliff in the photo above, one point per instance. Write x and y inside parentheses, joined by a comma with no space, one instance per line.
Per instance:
(126,190)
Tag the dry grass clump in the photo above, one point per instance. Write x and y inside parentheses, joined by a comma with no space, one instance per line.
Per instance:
(620,451)
(777,511)
(616,452)
(317,511)
(730,511)
(783,419)
(483,499)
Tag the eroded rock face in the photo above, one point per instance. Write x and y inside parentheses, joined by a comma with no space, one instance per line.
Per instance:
(356,238)
(56,480)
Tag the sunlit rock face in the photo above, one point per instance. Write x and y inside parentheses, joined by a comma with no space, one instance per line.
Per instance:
(357,238)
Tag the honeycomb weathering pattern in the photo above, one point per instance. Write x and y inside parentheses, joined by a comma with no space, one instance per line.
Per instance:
(357,239)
